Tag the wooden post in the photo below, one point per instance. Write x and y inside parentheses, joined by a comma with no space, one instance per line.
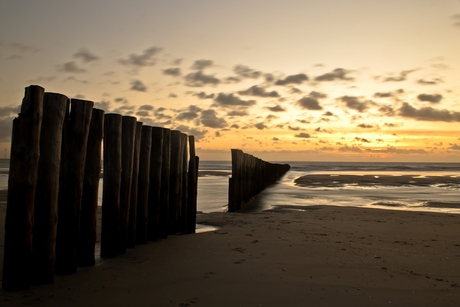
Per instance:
(71,185)
(46,196)
(250,176)
(111,185)
(184,187)
(192,186)
(131,240)
(175,182)
(127,155)
(25,152)
(143,186)
(155,183)
(165,183)
(88,219)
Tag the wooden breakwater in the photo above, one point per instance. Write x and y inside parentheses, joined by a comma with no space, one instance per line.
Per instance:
(57,148)
(250,176)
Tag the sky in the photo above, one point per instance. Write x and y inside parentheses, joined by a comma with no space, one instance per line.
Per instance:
(292,80)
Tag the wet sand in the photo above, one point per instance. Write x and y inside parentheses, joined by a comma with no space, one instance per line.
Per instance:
(289,256)
(326,180)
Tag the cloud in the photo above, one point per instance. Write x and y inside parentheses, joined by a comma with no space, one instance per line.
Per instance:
(198,79)
(19,47)
(293,128)
(383,95)
(387,110)
(259,92)
(336,74)
(137,85)
(363,140)
(86,56)
(365,126)
(229,100)
(144,59)
(456,19)
(197,133)
(428,114)
(70,67)
(203,95)
(434,81)
(276,108)
(292,79)
(146,107)
(209,119)
(302,135)
(237,113)
(260,126)
(354,103)
(401,77)
(202,64)
(191,113)
(430,98)
(454,147)
(246,72)
(349,149)
(172,71)
(309,103)
(317,95)
(187,116)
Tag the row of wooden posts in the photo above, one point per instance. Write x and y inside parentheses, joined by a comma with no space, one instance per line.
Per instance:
(149,187)
(250,176)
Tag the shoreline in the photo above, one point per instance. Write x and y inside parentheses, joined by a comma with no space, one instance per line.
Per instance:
(292,256)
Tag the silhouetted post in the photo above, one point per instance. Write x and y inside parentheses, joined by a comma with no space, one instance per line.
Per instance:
(46,196)
(88,218)
(143,186)
(184,187)
(71,185)
(165,183)
(250,175)
(22,180)
(175,182)
(127,154)
(131,240)
(111,185)
(155,183)
(192,186)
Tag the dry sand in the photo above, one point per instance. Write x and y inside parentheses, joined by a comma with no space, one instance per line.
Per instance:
(318,256)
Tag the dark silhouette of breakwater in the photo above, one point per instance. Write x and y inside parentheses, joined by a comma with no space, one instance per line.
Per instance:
(149,187)
(250,176)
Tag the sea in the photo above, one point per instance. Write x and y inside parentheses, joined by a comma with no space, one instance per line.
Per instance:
(429,187)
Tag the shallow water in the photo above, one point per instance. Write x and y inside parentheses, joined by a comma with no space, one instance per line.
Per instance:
(430,196)
(401,190)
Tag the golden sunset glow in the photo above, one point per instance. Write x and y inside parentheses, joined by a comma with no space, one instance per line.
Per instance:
(284,80)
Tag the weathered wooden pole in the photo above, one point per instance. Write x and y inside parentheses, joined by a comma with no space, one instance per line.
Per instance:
(192,186)
(111,185)
(73,156)
(131,239)
(127,155)
(143,186)
(165,183)
(184,187)
(155,183)
(88,218)
(47,192)
(175,182)
(22,180)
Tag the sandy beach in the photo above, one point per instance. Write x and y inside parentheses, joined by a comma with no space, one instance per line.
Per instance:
(317,256)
